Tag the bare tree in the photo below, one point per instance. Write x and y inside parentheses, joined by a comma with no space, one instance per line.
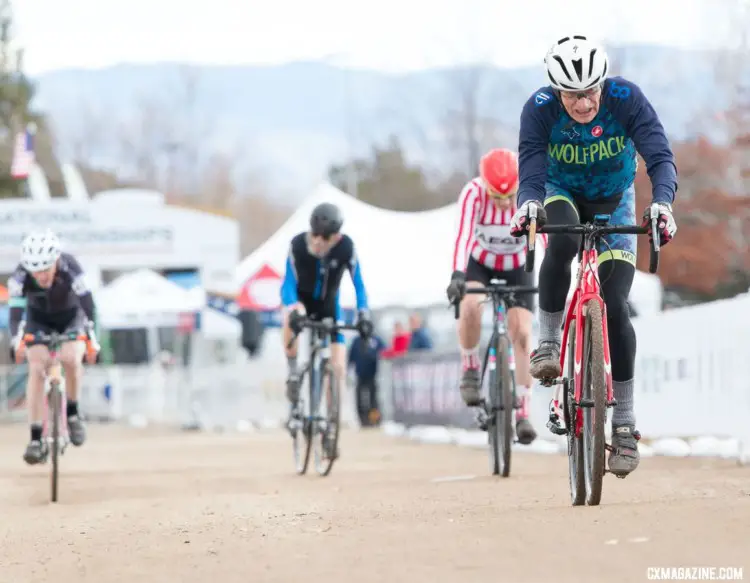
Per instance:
(732,74)
(474,121)
(146,139)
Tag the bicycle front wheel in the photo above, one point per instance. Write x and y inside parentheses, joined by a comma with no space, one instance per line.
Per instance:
(55,401)
(500,430)
(301,435)
(327,423)
(575,444)
(594,398)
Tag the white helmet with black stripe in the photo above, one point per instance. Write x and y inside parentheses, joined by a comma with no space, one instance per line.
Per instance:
(575,63)
(40,251)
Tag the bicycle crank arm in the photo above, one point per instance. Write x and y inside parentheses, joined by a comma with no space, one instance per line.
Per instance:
(552,382)
(483,420)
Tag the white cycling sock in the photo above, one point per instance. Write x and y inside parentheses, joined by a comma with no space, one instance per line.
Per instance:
(470,357)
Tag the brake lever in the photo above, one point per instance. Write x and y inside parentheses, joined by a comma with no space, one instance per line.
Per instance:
(655,234)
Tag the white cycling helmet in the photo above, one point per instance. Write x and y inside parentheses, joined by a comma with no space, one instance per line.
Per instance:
(575,63)
(40,251)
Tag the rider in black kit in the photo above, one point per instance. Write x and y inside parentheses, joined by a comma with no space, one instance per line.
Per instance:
(315,267)
(51,287)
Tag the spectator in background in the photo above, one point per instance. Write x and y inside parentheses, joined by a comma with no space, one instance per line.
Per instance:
(399,343)
(420,338)
(364,356)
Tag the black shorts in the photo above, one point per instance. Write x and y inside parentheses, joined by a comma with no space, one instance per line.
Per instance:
(319,310)
(67,321)
(477,272)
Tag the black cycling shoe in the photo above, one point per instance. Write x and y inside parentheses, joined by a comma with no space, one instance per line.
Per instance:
(36,452)
(545,361)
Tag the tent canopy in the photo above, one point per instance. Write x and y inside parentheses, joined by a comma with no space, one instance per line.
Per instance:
(405,256)
(143,297)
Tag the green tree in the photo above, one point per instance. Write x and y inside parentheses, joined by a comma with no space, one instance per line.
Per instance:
(16,94)
(388,181)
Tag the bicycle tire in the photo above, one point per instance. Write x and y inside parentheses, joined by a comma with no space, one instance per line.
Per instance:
(594,390)
(54,397)
(501,410)
(493,444)
(328,439)
(301,440)
(575,445)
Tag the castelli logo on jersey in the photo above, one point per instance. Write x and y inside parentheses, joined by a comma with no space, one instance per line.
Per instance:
(597,131)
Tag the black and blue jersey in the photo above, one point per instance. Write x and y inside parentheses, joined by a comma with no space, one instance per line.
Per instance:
(315,280)
(61,303)
(594,161)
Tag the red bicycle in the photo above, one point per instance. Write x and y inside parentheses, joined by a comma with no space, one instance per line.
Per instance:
(587,388)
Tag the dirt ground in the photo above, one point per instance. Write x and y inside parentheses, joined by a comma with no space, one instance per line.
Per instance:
(157,506)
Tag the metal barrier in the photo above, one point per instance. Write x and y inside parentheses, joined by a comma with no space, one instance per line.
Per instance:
(219,396)
(211,396)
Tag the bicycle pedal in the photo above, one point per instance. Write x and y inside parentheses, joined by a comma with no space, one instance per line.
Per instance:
(621,476)
(551,382)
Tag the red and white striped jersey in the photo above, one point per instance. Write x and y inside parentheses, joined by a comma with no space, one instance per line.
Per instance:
(484,232)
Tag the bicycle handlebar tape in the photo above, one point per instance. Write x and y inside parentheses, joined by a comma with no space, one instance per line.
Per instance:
(530,246)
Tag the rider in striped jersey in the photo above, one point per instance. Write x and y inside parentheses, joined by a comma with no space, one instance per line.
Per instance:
(486,250)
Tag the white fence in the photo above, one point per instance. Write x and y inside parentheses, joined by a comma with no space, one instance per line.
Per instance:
(211,397)
(217,396)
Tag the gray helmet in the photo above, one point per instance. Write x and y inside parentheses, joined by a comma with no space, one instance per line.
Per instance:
(326,219)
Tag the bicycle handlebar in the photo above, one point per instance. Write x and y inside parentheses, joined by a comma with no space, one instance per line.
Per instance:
(502,290)
(326,325)
(53,338)
(497,289)
(594,230)
(589,228)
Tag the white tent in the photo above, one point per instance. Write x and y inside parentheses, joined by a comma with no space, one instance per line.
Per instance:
(143,298)
(405,256)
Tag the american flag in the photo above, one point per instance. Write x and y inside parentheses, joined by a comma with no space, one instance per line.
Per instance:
(23,154)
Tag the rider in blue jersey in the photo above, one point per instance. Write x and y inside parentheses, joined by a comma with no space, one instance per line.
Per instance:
(577,158)
(314,267)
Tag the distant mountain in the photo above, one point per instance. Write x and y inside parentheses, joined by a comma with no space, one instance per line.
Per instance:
(291,121)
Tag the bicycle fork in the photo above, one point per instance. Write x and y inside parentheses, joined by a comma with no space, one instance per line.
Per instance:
(55,388)
(484,415)
(555,421)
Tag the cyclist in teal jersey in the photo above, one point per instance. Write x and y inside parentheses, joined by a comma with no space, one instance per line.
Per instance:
(577,158)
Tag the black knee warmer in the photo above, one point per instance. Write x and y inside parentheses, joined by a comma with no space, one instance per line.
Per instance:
(554,274)
(617,278)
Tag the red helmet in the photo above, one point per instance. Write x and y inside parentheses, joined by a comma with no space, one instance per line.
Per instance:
(499,169)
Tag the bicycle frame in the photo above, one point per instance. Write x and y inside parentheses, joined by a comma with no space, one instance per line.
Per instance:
(499,328)
(320,354)
(54,380)
(497,292)
(587,289)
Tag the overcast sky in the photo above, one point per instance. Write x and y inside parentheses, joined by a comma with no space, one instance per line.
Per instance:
(393,35)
